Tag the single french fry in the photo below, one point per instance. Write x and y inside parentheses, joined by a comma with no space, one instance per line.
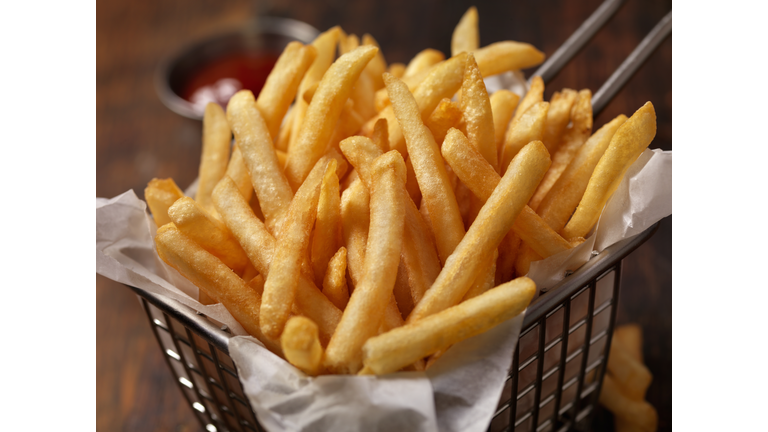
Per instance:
(368,302)
(284,136)
(636,413)
(507,56)
(422,61)
(355,220)
(348,44)
(493,222)
(558,117)
(564,196)
(630,338)
(380,135)
(325,45)
(445,116)
(429,168)
(267,178)
(573,138)
(283,278)
(503,104)
(534,95)
(466,35)
(396,69)
(301,345)
(215,155)
(322,114)
(282,84)
(257,284)
(477,115)
(211,234)
(327,237)
(335,282)
(478,175)
(363,96)
(160,195)
(526,128)
(259,245)
(632,377)
(402,346)
(238,172)
(629,141)
(486,280)
(378,65)
(214,277)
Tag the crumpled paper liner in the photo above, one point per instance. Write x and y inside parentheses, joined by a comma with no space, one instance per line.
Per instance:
(459,392)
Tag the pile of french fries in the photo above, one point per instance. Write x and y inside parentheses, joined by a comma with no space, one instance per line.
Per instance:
(370,216)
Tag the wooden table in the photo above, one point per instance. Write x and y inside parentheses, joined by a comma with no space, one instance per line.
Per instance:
(138,139)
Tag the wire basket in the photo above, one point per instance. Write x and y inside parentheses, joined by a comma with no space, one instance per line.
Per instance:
(553,384)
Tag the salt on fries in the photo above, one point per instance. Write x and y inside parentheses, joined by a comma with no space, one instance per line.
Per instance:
(369,216)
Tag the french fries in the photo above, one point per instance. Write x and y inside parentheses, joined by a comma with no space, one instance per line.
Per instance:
(416,248)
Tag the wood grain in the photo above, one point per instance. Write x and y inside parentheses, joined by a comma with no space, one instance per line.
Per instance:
(138,139)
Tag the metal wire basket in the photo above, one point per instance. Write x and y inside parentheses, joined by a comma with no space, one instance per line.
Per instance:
(554,382)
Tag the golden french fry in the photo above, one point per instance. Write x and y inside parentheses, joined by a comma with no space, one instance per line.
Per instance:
(380,135)
(477,115)
(160,195)
(561,200)
(325,45)
(526,128)
(396,69)
(211,234)
(478,175)
(378,65)
(558,117)
(402,346)
(282,84)
(284,135)
(506,56)
(335,282)
(503,104)
(238,172)
(215,278)
(445,116)
(257,284)
(632,377)
(629,141)
(493,222)
(259,245)
(573,138)
(267,178)
(630,338)
(301,345)
(466,35)
(368,302)
(348,44)
(215,155)
(363,97)
(355,219)
(283,278)
(322,114)
(534,95)
(423,61)
(525,256)
(349,122)
(327,237)
(638,414)
(486,280)
(429,168)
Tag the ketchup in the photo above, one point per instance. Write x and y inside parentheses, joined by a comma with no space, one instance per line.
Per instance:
(221,78)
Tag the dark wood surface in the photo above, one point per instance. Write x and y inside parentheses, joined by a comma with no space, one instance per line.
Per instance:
(138,139)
